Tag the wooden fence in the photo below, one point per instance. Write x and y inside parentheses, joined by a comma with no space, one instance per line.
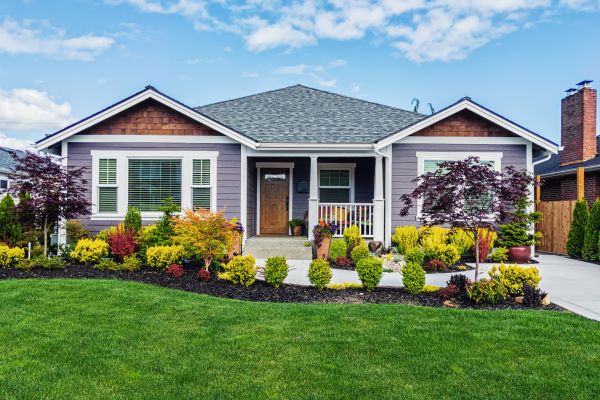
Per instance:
(555,224)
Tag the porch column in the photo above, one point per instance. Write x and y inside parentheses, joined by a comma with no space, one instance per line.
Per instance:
(313,200)
(378,202)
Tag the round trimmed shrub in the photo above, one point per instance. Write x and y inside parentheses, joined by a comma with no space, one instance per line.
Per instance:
(337,249)
(370,271)
(415,255)
(319,273)
(360,252)
(413,278)
(160,257)
(89,251)
(10,257)
(242,270)
(276,270)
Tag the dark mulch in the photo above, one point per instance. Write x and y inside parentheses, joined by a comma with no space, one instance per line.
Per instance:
(458,268)
(259,291)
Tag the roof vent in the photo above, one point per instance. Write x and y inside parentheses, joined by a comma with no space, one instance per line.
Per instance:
(584,84)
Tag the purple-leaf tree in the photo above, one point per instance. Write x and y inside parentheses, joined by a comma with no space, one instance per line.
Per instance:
(53,191)
(467,194)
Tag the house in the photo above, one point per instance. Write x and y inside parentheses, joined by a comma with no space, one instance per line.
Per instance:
(295,152)
(579,149)
(6,164)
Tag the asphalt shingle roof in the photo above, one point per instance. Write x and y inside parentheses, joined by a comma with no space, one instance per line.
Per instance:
(552,166)
(6,160)
(299,114)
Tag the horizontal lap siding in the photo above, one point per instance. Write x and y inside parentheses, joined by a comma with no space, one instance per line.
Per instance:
(404,168)
(228,170)
(251,213)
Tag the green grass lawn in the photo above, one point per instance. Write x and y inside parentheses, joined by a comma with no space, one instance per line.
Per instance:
(94,339)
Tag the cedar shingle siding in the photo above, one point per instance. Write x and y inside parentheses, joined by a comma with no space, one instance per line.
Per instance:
(464,123)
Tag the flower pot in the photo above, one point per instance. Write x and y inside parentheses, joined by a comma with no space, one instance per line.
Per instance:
(323,249)
(297,230)
(519,254)
(236,246)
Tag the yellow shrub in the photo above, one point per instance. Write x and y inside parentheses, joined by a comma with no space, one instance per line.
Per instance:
(105,233)
(513,276)
(352,236)
(462,239)
(160,257)
(242,270)
(430,289)
(433,235)
(344,285)
(89,251)
(10,257)
(405,238)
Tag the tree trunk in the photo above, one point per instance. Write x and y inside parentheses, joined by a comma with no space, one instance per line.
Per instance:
(46,236)
(476,254)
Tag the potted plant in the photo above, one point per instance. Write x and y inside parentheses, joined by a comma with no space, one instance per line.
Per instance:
(296,226)
(322,234)
(517,235)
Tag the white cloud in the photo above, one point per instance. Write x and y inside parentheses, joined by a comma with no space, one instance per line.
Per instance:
(30,109)
(38,37)
(292,69)
(270,36)
(15,143)
(313,71)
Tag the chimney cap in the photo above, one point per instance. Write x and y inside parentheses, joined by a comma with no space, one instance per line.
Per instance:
(570,91)
(584,83)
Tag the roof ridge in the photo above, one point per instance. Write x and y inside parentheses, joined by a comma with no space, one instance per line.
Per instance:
(244,97)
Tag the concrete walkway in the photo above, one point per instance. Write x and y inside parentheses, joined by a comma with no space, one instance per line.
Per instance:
(572,284)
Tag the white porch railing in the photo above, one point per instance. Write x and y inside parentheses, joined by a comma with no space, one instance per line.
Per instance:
(348,214)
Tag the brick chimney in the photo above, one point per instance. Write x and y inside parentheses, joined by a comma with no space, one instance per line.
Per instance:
(578,124)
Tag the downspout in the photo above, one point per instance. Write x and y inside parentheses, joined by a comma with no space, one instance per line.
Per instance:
(533,164)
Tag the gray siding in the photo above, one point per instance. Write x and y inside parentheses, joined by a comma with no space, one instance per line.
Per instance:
(251,202)
(404,169)
(228,170)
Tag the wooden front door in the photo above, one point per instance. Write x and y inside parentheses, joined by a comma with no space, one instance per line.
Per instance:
(274,201)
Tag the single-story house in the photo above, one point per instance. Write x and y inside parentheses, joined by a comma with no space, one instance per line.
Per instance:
(579,149)
(289,153)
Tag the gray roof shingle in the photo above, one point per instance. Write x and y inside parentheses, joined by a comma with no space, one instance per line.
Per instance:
(552,166)
(6,160)
(299,114)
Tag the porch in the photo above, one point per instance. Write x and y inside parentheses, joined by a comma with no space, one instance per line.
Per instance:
(345,191)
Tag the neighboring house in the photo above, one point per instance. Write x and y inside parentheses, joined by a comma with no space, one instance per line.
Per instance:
(579,149)
(272,156)
(6,164)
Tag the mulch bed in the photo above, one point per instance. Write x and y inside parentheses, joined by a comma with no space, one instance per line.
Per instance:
(259,291)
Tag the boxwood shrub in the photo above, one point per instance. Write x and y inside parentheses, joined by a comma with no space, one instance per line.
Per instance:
(319,273)
(370,271)
(276,270)
(413,277)
(359,252)
(337,249)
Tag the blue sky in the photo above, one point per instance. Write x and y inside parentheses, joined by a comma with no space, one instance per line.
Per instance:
(63,60)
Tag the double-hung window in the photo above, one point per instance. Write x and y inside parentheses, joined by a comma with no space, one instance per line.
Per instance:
(335,184)
(107,185)
(201,184)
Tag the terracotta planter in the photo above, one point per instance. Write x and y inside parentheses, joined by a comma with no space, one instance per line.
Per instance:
(297,230)
(236,246)
(323,249)
(519,254)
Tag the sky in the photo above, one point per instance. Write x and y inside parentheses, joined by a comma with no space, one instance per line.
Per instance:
(63,60)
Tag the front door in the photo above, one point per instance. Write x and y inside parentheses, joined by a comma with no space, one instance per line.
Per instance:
(274,201)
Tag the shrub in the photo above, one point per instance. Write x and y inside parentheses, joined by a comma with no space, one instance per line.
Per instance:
(130,263)
(415,255)
(89,251)
(48,262)
(590,235)
(575,240)
(150,236)
(176,270)
(10,230)
(430,289)
(204,275)
(319,273)
(435,265)
(105,233)
(517,232)
(352,236)
(532,296)
(432,235)
(75,231)
(122,242)
(25,264)
(276,270)
(405,238)
(486,291)
(370,271)
(500,254)
(224,276)
(446,253)
(133,219)
(337,249)
(344,285)
(449,292)
(343,261)
(513,276)
(243,270)
(160,257)
(462,239)
(205,235)
(10,257)
(106,264)
(359,252)
(413,277)
(460,281)
(487,238)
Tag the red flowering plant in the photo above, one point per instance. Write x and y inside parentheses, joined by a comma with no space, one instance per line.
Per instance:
(122,242)
(322,230)
(204,275)
(176,270)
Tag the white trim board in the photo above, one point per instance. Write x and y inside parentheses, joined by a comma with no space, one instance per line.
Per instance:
(462,140)
(283,165)
(467,104)
(148,93)
(149,139)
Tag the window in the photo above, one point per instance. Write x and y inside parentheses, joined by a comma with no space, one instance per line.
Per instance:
(107,185)
(335,185)
(153,180)
(201,185)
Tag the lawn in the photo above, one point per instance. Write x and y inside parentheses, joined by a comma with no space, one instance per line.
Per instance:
(100,339)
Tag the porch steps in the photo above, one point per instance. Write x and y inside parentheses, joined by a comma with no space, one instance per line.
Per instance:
(292,248)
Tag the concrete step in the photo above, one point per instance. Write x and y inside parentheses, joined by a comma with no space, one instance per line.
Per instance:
(292,248)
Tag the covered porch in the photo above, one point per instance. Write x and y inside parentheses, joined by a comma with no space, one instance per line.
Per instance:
(344,190)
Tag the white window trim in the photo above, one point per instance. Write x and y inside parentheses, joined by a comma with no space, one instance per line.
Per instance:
(496,157)
(350,167)
(96,197)
(123,156)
